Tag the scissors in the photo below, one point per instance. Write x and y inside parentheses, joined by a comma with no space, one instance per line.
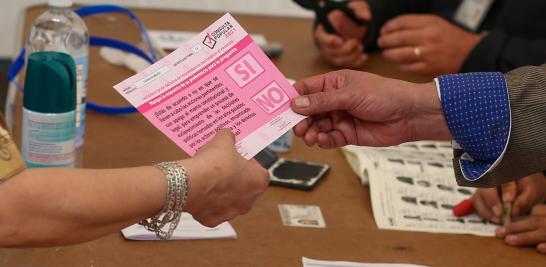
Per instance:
(323,7)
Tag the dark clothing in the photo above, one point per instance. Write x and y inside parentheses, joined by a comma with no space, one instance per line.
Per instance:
(516,30)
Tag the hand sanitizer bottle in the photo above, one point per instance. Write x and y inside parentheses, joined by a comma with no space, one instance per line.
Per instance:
(49,111)
(60,29)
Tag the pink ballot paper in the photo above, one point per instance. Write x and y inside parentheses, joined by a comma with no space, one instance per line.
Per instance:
(219,79)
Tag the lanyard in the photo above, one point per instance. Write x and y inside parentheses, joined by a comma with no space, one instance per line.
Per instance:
(150,56)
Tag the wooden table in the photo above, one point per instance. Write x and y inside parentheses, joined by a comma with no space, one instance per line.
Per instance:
(262,240)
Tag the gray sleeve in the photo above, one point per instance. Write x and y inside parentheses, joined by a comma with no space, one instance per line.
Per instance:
(526,150)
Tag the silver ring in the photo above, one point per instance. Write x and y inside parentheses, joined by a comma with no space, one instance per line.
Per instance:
(417,52)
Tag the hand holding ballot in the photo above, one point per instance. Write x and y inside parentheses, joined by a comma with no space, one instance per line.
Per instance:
(487,115)
(357,108)
(219,79)
(52,207)
(232,186)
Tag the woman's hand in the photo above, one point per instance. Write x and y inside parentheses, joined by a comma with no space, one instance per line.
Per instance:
(222,184)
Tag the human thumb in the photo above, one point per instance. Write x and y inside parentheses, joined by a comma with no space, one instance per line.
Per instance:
(318,103)
(223,137)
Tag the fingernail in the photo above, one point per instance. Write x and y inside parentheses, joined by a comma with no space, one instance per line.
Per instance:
(511,238)
(501,231)
(497,210)
(507,196)
(302,102)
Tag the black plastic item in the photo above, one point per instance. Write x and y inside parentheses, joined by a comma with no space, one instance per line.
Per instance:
(290,173)
(297,174)
(266,158)
(323,7)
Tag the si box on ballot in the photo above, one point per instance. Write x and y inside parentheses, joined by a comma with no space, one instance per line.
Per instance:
(219,79)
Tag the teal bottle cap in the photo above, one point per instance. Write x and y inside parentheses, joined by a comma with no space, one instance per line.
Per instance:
(50,83)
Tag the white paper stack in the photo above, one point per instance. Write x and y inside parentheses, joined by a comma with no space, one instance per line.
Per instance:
(188,229)
(413,188)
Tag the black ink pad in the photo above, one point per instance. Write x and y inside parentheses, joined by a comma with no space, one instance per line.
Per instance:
(292,173)
(297,170)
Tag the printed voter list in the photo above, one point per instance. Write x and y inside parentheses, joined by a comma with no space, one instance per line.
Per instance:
(219,79)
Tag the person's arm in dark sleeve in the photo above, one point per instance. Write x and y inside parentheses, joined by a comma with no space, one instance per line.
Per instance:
(498,124)
(498,51)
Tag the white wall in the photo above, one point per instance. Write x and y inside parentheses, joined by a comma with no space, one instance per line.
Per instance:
(11,14)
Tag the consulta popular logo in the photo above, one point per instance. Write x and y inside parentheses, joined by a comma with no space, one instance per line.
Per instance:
(209,41)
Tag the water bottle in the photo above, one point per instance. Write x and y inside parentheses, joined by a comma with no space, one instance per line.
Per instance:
(59,29)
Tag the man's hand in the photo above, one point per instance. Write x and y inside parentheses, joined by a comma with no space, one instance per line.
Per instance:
(530,231)
(529,191)
(426,44)
(227,185)
(351,107)
(345,50)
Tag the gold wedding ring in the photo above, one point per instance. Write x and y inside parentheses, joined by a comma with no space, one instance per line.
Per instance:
(417,52)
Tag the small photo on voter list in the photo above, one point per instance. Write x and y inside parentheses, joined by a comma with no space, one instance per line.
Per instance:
(301,216)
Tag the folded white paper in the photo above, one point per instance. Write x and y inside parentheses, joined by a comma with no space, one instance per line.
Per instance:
(318,263)
(188,229)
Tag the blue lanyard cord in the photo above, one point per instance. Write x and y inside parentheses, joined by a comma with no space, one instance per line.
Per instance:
(111,110)
(113,43)
(16,67)
(103,9)
(19,62)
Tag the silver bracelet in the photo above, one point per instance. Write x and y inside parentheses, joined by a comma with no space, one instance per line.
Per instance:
(177,193)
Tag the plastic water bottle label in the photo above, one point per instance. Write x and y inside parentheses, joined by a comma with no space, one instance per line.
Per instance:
(82,65)
(48,139)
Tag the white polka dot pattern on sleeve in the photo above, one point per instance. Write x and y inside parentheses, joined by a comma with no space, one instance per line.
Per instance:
(477,111)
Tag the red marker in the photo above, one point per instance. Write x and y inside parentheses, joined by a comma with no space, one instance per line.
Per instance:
(464,208)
